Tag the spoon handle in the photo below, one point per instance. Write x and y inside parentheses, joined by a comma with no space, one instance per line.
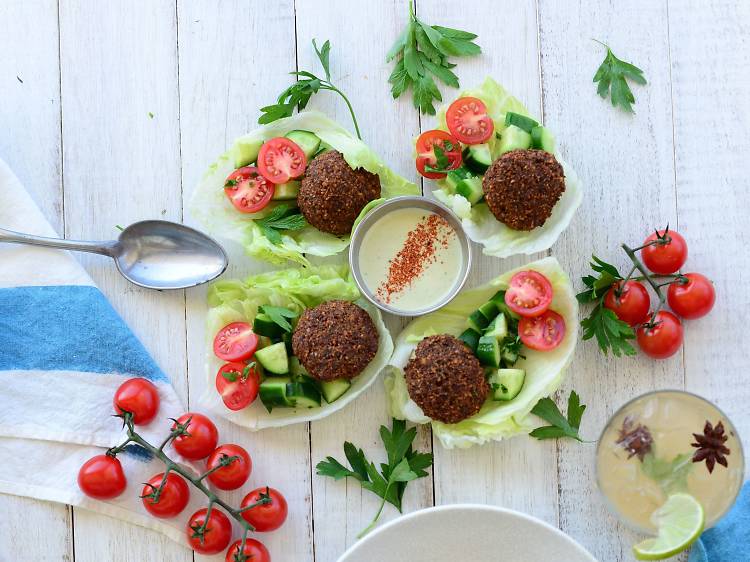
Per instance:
(104,248)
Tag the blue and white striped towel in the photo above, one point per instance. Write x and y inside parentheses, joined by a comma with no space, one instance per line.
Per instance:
(63,353)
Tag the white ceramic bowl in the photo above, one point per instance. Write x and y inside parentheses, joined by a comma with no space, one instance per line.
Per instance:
(469,533)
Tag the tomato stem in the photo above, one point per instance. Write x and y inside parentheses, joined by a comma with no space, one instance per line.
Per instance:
(645,273)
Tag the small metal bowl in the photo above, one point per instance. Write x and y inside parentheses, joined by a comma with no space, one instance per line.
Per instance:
(402,203)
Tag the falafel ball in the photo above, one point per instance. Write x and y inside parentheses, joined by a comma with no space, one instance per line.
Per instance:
(522,187)
(335,340)
(332,194)
(445,379)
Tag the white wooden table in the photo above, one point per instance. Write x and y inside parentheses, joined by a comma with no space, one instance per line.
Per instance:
(78,80)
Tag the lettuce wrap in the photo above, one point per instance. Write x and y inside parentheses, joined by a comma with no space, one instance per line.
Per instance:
(544,370)
(216,214)
(478,221)
(297,289)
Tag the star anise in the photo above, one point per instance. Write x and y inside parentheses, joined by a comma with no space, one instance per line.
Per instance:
(710,445)
(636,440)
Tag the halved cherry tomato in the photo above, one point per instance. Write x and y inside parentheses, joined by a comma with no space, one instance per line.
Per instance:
(632,303)
(216,536)
(692,299)
(101,477)
(668,257)
(253,550)
(661,336)
(238,384)
(468,121)
(542,333)
(201,437)
(173,498)
(426,152)
(266,517)
(139,397)
(235,342)
(280,160)
(233,475)
(248,191)
(529,293)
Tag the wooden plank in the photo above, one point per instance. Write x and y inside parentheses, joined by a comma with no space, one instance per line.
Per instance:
(625,164)
(232,62)
(30,144)
(118,64)
(342,509)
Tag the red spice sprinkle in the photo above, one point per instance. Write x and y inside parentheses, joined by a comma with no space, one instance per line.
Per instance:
(419,252)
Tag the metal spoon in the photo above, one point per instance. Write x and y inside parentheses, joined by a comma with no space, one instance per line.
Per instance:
(152,254)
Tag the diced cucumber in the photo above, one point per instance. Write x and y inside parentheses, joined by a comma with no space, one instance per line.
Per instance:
(287,339)
(296,369)
(455,176)
(488,351)
(335,389)
(307,141)
(507,383)
(509,356)
(542,138)
(272,392)
(498,328)
(477,158)
(489,311)
(470,338)
(514,138)
(521,121)
(478,321)
(324,147)
(246,152)
(471,188)
(286,191)
(264,326)
(274,358)
(303,394)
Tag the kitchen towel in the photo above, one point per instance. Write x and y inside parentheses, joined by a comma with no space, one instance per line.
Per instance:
(63,353)
(729,539)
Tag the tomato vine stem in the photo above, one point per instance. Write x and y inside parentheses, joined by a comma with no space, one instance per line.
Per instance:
(638,264)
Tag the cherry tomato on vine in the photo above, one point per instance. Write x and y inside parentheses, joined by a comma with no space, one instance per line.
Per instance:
(101,477)
(173,498)
(632,303)
(217,534)
(468,121)
(529,293)
(233,475)
(542,333)
(253,550)
(692,299)
(248,190)
(237,384)
(235,342)
(138,396)
(201,437)
(426,152)
(280,160)
(266,517)
(668,257)
(661,336)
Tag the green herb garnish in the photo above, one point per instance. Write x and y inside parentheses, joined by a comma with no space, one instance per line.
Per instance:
(404,465)
(561,426)
(442,163)
(611,76)
(279,315)
(670,475)
(298,94)
(281,218)
(422,51)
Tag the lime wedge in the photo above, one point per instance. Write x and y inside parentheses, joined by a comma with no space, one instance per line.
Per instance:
(680,522)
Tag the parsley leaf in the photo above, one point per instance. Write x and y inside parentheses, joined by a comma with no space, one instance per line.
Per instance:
(389,483)
(298,94)
(442,163)
(280,218)
(279,315)
(611,76)
(421,52)
(561,426)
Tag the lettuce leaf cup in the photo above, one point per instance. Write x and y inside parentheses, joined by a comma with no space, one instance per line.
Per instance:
(295,290)
(213,210)
(544,371)
(480,224)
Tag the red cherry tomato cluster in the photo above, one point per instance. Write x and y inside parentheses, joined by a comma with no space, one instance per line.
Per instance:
(251,188)
(691,295)
(194,437)
(238,380)
(529,295)
(468,123)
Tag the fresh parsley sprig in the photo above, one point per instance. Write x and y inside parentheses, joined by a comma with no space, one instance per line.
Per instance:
(442,163)
(561,426)
(298,94)
(611,76)
(389,483)
(280,219)
(422,51)
(279,315)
